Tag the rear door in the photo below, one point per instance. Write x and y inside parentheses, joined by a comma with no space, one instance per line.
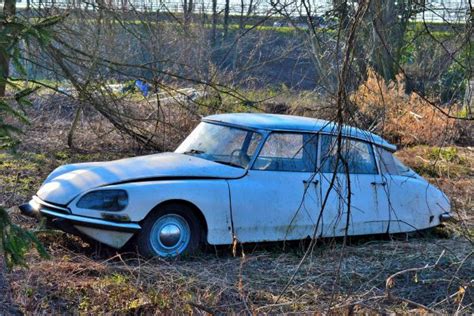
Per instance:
(356,201)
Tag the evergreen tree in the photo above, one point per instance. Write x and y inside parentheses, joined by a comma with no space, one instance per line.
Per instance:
(15,241)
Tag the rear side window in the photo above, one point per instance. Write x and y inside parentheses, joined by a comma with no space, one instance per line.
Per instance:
(288,152)
(358,155)
(389,164)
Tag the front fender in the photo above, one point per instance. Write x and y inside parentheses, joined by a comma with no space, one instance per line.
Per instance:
(210,196)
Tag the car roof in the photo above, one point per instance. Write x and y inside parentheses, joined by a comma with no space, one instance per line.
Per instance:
(279,122)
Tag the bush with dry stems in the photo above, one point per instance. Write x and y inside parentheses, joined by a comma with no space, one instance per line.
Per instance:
(404,119)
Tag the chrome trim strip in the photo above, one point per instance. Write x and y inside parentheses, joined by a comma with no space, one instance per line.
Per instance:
(41,202)
(89,220)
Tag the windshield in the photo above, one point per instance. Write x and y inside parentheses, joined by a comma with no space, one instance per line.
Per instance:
(222,144)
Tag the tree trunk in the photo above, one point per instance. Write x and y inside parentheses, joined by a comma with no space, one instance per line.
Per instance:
(190,8)
(187,11)
(390,20)
(226,18)
(342,12)
(241,18)
(9,11)
(469,98)
(75,122)
(214,22)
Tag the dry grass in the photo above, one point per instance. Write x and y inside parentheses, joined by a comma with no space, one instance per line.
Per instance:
(436,269)
(404,119)
(73,281)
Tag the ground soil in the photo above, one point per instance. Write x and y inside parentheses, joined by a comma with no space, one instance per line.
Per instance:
(7,306)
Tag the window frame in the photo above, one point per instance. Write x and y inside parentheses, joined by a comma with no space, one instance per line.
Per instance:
(377,160)
(407,173)
(374,156)
(264,134)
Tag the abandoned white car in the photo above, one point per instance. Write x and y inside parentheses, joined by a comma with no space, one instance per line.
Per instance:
(244,177)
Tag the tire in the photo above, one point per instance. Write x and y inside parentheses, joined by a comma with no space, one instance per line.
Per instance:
(170,231)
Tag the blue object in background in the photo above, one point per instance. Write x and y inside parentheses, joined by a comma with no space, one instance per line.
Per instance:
(143,86)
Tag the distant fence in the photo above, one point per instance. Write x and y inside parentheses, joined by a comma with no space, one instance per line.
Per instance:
(454,11)
(446,11)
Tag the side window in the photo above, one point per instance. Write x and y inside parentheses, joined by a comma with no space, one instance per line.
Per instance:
(358,155)
(390,164)
(288,152)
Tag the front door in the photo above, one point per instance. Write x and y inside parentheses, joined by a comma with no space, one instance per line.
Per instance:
(278,199)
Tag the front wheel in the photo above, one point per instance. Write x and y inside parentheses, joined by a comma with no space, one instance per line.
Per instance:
(171,231)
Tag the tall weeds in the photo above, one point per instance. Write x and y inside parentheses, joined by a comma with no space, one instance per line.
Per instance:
(404,119)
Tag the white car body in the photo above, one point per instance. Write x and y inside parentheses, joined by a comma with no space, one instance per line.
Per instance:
(250,204)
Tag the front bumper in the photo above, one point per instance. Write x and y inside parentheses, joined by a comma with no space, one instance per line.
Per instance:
(105,231)
(38,208)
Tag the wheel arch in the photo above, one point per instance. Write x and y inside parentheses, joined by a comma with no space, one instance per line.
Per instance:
(196,211)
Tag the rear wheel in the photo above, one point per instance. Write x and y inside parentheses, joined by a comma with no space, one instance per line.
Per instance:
(171,231)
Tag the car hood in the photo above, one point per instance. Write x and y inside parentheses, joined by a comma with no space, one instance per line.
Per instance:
(67,181)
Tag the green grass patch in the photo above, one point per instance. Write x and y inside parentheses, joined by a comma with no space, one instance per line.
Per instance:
(439,162)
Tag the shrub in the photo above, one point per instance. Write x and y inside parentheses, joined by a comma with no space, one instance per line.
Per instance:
(404,119)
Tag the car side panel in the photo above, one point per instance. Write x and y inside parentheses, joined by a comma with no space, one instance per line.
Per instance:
(414,204)
(211,196)
(274,205)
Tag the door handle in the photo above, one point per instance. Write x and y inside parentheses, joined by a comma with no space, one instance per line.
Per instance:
(378,183)
(315,182)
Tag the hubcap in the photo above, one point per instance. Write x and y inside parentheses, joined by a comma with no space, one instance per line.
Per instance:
(170,235)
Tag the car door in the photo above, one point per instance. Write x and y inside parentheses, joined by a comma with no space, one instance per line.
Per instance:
(278,199)
(366,210)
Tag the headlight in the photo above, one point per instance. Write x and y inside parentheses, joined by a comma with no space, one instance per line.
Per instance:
(104,200)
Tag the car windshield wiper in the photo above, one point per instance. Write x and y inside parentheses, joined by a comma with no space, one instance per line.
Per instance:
(194,152)
(233,164)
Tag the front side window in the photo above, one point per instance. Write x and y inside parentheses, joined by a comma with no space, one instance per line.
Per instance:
(222,144)
(288,152)
(358,155)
